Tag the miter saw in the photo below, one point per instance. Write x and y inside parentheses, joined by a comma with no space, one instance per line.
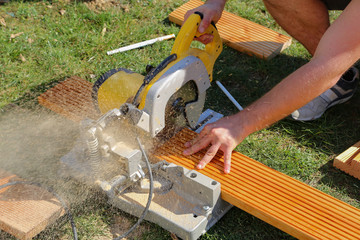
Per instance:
(138,111)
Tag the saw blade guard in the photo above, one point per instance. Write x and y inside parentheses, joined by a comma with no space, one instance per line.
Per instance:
(182,49)
(189,69)
(115,88)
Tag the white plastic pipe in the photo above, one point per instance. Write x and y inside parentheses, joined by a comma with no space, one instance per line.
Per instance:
(232,99)
(141,44)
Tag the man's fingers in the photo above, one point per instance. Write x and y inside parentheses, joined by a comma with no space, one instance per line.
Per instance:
(227,160)
(204,25)
(205,130)
(198,138)
(196,145)
(187,15)
(205,38)
(210,154)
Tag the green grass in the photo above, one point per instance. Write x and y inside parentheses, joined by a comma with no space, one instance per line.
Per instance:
(57,45)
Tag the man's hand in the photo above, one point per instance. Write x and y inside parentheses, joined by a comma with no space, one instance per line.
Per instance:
(222,135)
(211,11)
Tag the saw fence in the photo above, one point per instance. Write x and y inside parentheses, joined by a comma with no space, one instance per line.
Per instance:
(286,203)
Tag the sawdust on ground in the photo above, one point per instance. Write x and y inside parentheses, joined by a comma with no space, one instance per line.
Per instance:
(101,5)
(122,225)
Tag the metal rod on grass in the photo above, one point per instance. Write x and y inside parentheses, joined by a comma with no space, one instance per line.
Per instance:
(141,44)
(231,98)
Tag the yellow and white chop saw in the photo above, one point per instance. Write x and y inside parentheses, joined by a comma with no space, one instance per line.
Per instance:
(109,152)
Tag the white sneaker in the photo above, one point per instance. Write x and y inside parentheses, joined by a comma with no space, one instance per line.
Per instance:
(341,92)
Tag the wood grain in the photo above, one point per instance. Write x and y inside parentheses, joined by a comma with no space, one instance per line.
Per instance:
(26,210)
(70,98)
(241,34)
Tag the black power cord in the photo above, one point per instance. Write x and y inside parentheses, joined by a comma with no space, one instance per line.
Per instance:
(73,227)
(151,190)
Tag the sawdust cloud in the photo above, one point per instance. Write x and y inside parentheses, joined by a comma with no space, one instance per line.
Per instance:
(31,145)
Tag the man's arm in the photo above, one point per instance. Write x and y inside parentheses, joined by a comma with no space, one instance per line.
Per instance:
(337,51)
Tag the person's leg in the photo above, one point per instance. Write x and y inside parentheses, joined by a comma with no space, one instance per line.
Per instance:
(304,20)
(307,21)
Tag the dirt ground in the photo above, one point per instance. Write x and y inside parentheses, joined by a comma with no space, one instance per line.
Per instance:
(101,5)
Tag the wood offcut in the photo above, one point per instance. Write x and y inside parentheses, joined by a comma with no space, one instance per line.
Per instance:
(26,210)
(288,204)
(349,161)
(241,34)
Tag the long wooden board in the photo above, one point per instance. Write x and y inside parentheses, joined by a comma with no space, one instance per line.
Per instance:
(26,210)
(241,34)
(349,161)
(288,204)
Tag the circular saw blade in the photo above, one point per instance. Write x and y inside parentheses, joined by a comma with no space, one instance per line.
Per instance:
(175,111)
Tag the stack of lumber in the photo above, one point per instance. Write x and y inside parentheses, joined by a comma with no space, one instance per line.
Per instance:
(241,34)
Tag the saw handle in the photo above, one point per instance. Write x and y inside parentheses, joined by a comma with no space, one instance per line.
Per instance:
(188,32)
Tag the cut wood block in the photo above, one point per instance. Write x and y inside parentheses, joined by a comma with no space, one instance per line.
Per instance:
(349,161)
(26,210)
(288,204)
(241,34)
(70,98)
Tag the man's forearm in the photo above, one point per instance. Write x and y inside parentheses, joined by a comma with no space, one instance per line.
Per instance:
(290,94)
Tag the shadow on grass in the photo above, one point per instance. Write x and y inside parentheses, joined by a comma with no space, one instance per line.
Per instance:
(29,100)
(332,134)
(247,78)
(238,224)
(339,180)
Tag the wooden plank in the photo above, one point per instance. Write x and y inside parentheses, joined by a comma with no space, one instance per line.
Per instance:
(288,204)
(70,98)
(26,210)
(349,161)
(241,34)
